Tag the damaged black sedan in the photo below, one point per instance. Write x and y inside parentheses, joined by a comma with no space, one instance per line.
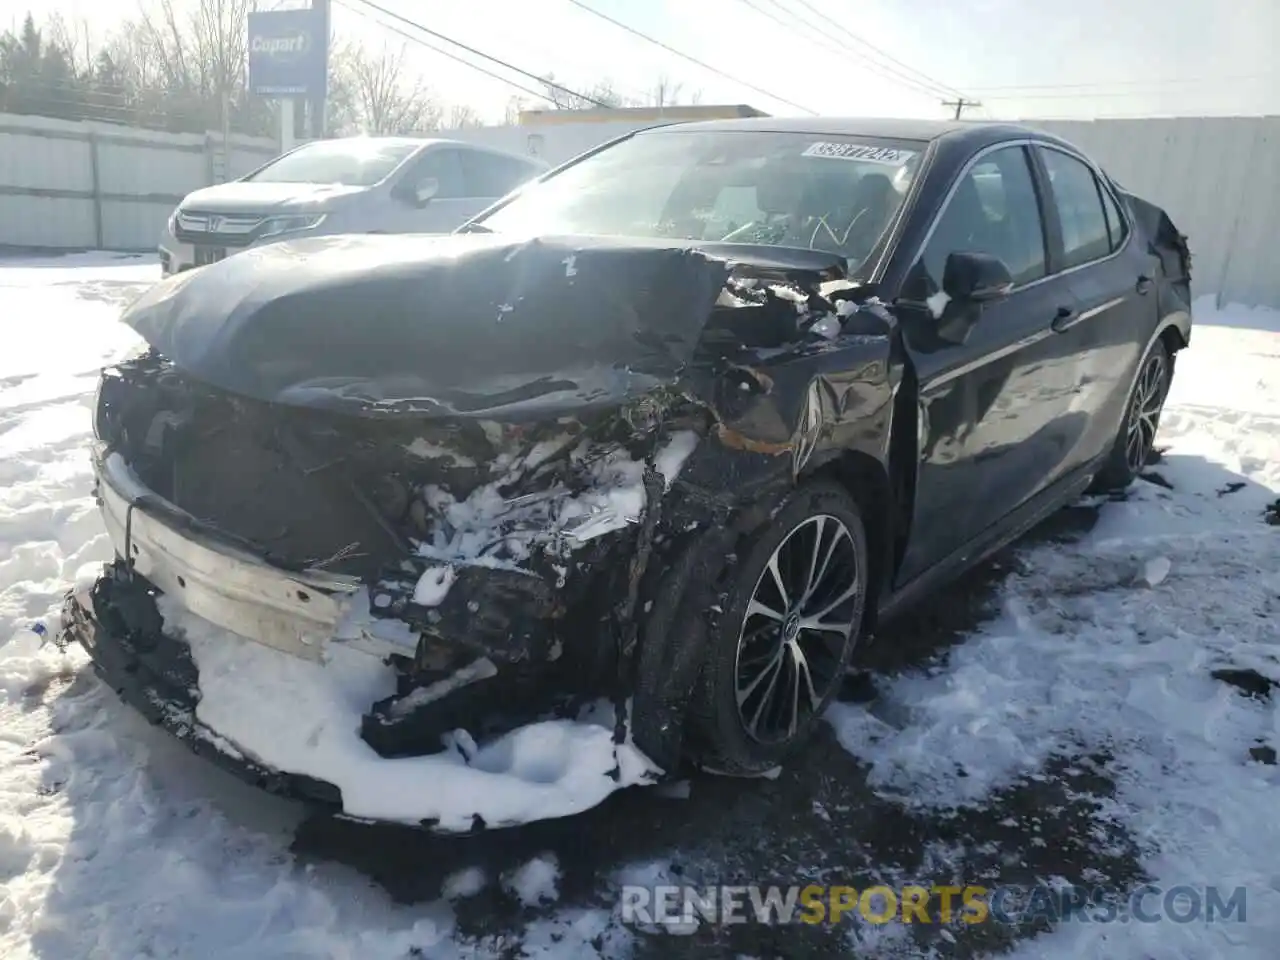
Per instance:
(674,428)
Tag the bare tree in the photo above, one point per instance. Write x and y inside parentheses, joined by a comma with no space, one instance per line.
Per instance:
(515,106)
(196,49)
(74,41)
(462,115)
(385,99)
(665,93)
(601,94)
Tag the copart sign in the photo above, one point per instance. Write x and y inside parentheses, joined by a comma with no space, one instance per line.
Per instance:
(287,53)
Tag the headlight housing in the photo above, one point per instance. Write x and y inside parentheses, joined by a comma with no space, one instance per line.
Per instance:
(278,225)
(173,223)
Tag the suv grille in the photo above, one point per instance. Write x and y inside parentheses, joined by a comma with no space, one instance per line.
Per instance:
(218,229)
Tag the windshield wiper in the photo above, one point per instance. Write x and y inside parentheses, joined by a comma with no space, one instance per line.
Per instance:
(474,228)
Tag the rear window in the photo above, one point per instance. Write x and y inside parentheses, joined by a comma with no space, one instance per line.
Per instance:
(493,175)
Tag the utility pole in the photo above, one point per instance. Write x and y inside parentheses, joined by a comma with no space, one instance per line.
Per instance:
(225,100)
(320,97)
(960,105)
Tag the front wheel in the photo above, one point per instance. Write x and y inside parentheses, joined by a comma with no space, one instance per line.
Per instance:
(1137,437)
(793,617)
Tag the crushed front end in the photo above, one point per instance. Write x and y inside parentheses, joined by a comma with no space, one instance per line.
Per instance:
(488,493)
(482,561)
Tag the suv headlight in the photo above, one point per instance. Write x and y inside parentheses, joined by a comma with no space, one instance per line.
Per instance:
(173,223)
(278,225)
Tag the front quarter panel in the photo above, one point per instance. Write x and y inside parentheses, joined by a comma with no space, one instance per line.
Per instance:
(780,419)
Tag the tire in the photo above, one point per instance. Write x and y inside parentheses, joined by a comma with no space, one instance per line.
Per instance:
(751,650)
(1141,421)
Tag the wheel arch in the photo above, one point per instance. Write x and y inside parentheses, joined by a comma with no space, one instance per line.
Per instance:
(1173,337)
(868,481)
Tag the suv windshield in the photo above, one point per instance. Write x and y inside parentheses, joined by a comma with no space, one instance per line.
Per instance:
(353,162)
(832,193)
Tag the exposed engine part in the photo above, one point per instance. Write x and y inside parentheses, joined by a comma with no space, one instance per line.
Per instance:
(317,489)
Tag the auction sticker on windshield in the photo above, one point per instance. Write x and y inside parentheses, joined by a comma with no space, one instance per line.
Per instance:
(858,151)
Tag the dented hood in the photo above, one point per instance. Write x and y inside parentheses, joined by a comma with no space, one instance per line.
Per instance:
(472,324)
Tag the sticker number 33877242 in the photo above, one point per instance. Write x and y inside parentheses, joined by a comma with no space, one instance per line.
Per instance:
(857,151)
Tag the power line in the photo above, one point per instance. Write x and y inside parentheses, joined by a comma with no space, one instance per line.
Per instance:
(472,50)
(936,85)
(632,92)
(670,49)
(824,41)
(444,53)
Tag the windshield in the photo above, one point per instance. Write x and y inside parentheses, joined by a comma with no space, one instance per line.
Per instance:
(831,193)
(352,162)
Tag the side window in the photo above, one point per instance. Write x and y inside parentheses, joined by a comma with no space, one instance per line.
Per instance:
(1117,228)
(444,165)
(490,175)
(993,210)
(1076,194)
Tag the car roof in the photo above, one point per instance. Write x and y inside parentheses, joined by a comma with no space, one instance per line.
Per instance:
(883,127)
(423,142)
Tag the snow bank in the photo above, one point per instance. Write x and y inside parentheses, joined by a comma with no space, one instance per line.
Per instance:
(304,717)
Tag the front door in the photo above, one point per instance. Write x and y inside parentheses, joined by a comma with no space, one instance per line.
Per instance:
(447,208)
(995,420)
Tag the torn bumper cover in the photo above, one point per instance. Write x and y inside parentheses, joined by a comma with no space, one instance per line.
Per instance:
(155,674)
(295,613)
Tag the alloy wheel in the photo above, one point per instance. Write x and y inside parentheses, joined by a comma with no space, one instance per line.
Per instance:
(1144,410)
(801,615)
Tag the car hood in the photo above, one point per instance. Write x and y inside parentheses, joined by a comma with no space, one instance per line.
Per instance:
(469,324)
(251,197)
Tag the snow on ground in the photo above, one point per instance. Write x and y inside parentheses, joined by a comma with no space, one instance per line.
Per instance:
(1110,644)
(536,881)
(115,842)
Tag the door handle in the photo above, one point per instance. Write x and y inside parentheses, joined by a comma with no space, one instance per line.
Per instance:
(1145,284)
(1065,319)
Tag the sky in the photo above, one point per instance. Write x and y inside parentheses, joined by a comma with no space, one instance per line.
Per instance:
(1020,58)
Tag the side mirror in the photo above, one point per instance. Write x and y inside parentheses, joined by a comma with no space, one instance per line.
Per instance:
(425,190)
(975,277)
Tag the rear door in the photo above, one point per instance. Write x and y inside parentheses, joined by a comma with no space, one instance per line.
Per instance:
(995,423)
(1113,279)
(490,176)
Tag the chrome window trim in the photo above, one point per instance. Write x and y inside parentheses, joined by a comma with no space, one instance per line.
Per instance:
(1027,142)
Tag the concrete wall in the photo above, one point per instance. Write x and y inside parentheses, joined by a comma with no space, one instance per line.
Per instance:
(1219,179)
(67,184)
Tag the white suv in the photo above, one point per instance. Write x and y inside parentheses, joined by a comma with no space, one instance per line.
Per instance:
(352,185)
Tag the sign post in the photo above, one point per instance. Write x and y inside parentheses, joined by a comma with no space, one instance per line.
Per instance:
(289,59)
